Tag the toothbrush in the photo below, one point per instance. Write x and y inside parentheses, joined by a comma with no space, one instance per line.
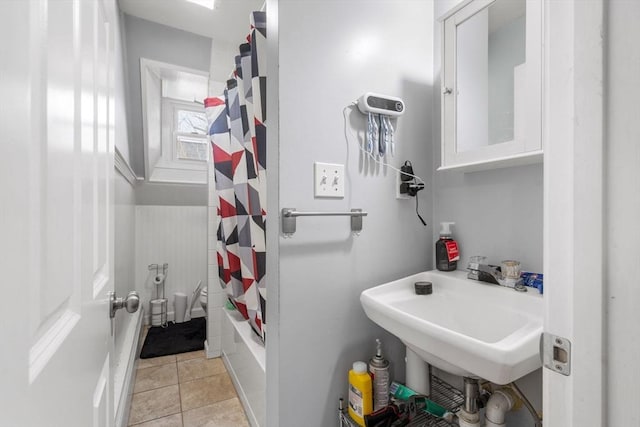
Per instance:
(369,146)
(392,143)
(382,147)
(375,133)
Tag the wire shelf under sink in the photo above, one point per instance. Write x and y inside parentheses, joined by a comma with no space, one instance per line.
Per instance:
(442,393)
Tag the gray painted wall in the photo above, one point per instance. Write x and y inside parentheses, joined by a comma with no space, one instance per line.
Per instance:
(498,213)
(171,194)
(145,39)
(316,327)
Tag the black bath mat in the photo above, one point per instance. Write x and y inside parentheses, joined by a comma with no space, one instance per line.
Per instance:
(175,338)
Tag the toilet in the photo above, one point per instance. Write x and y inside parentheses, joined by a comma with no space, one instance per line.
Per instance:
(203,300)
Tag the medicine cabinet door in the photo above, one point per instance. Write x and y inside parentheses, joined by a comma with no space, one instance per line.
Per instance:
(492,84)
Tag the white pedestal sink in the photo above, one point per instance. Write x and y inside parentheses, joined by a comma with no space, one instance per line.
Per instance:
(464,327)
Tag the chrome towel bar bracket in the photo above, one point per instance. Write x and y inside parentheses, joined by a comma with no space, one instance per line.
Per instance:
(289,216)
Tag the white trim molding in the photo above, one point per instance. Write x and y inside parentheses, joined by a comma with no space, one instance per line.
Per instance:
(129,365)
(124,168)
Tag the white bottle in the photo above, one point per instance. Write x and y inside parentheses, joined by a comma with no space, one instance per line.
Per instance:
(379,369)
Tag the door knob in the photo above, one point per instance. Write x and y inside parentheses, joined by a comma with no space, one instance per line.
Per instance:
(131,303)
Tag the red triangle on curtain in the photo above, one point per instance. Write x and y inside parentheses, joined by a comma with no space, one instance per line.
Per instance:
(227,210)
(242,309)
(234,262)
(246,283)
(219,155)
(213,102)
(236,158)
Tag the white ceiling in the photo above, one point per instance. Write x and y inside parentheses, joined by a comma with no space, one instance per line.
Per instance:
(227,23)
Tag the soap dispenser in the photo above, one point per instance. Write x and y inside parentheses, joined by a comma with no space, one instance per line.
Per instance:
(447,253)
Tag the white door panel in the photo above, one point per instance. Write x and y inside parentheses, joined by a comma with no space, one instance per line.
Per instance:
(574,217)
(102,415)
(58,229)
(52,189)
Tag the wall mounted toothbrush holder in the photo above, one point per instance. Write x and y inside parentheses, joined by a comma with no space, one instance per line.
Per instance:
(380,109)
(289,216)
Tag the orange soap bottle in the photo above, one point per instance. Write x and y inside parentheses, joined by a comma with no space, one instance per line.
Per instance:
(360,392)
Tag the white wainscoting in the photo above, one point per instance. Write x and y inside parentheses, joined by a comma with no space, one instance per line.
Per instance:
(176,235)
(125,324)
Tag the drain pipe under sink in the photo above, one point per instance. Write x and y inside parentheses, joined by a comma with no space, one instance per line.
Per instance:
(469,415)
(503,400)
(500,402)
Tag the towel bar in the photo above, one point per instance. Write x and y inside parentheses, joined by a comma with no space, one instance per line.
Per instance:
(289,216)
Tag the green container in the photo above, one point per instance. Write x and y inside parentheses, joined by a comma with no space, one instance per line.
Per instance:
(402,392)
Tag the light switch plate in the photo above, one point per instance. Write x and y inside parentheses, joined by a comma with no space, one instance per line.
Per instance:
(328,180)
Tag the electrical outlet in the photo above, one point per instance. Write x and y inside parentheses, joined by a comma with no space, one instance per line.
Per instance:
(399,195)
(328,179)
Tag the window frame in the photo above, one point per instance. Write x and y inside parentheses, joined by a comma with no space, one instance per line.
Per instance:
(170,134)
(159,125)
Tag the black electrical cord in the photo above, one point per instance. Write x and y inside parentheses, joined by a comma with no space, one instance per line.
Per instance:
(418,213)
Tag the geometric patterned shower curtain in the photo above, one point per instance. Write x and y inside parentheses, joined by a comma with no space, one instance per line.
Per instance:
(238,138)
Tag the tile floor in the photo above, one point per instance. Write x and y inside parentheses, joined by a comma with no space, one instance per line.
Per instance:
(185,390)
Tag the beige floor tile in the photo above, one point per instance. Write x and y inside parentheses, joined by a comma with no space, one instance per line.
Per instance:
(155,377)
(191,355)
(199,368)
(205,391)
(152,404)
(228,413)
(156,361)
(170,421)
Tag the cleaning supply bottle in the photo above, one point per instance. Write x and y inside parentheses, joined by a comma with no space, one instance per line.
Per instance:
(360,393)
(447,253)
(379,370)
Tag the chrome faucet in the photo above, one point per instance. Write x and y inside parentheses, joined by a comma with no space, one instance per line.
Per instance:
(493,274)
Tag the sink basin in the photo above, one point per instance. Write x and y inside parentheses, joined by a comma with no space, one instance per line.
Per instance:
(464,327)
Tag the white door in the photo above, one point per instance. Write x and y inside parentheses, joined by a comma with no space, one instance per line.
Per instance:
(592,238)
(574,218)
(56,175)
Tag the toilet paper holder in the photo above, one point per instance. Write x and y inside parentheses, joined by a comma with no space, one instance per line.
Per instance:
(158,306)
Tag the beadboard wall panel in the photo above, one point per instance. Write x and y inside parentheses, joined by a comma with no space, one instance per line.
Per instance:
(176,235)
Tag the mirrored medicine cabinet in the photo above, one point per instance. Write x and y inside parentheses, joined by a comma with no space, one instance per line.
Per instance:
(491,84)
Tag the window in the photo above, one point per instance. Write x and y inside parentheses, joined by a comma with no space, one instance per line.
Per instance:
(175,124)
(184,131)
(191,135)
